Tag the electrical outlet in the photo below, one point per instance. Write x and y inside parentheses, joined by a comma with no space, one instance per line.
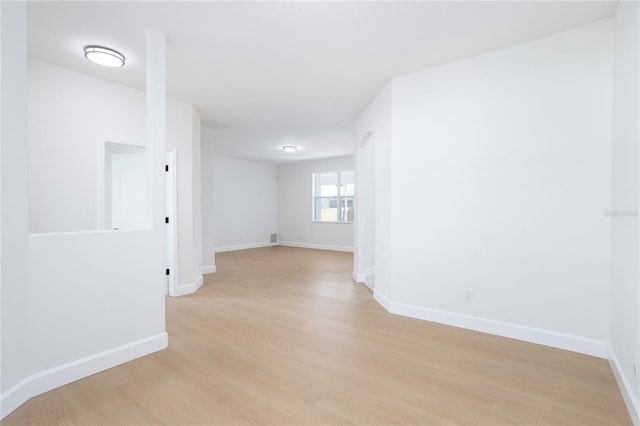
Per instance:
(636,365)
(468,295)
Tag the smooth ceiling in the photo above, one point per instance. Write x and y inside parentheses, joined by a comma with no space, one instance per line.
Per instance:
(266,74)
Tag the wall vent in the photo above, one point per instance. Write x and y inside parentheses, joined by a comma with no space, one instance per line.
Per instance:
(274,238)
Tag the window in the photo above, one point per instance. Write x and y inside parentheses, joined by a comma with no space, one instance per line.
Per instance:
(333,196)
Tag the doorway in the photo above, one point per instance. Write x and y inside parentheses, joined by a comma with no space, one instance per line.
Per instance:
(125,187)
(366,238)
(171,224)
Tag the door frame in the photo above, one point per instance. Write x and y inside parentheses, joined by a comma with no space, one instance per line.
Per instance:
(171,230)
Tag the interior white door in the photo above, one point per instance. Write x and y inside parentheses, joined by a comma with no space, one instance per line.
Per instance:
(128,191)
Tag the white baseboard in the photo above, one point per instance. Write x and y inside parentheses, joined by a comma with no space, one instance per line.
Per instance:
(633,406)
(209,269)
(369,273)
(242,247)
(316,246)
(190,288)
(361,276)
(286,244)
(381,299)
(554,339)
(364,277)
(61,375)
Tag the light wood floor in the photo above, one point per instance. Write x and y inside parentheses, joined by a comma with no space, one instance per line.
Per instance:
(283,336)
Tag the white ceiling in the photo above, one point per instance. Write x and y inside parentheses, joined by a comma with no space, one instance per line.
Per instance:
(268,74)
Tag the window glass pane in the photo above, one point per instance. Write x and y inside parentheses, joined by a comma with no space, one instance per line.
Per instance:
(346,209)
(326,209)
(326,184)
(346,182)
(333,194)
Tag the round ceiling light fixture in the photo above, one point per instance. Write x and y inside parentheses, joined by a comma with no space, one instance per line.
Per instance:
(104,56)
(289,148)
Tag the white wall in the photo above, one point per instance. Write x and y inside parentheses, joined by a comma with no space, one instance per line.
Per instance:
(295,207)
(112,296)
(14,230)
(500,175)
(196,190)
(70,116)
(625,192)
(208,219)
(246,203)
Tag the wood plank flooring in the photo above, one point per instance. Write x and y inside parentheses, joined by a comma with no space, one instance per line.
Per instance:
(283,335)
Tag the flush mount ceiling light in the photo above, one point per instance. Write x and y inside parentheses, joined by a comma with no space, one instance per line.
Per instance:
(104,56)
(289,148)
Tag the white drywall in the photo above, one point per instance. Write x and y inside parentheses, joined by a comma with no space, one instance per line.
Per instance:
(70,117)
(208,221)
(13,201)
(111,296)
(196,190)
(245,203)
(625,192)
(295,197)
(499,179)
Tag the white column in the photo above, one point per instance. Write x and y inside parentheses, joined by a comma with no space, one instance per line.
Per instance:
(156,141)
(14,212)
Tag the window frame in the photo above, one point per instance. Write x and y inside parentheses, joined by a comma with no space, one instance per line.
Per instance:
(339,197)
